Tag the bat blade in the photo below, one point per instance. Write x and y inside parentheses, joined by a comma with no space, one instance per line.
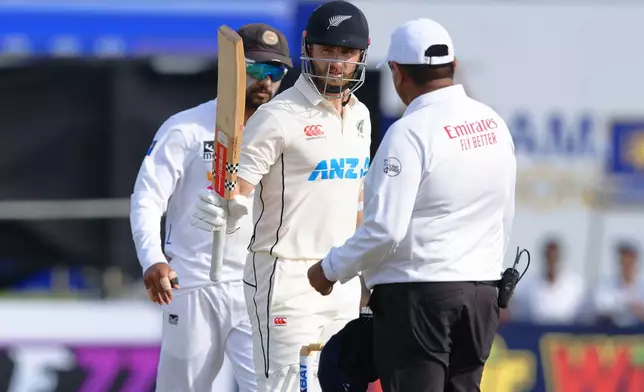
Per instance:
(229,123)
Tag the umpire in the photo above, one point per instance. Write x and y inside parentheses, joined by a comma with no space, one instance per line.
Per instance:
(439,206)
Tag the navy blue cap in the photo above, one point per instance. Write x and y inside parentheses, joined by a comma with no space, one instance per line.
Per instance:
(338,23)
(346,361)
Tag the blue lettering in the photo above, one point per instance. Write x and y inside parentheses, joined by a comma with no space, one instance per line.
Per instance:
(571,141)
(556,135)
(365,168)
(322,169)
(340,169)
(303,380)
(523,133)
(337,168)
(353,164)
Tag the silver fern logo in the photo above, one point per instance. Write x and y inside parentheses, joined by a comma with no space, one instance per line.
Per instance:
(335,21)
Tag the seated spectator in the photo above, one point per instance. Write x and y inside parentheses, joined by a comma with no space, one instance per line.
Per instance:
(620,300)
(554,297)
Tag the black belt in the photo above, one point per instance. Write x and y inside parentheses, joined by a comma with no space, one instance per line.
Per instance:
(493,283)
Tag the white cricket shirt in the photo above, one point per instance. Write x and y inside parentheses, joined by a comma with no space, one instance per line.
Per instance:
(439,198)
(307,164)
(176,168)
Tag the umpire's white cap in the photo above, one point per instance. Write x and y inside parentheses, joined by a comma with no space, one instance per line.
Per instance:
(420,41)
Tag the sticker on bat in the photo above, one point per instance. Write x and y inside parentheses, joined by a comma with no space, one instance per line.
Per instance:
(221,138)
(220,169)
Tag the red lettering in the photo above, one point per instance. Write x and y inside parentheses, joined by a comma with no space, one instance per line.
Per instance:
(579,369)
(461,130)
(448,129)
(454,131)
(220,170)
(491,124)
(478,127)
(470,128)
(636,380)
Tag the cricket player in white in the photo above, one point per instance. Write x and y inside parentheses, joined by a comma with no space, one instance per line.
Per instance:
(203,322)
(305,155)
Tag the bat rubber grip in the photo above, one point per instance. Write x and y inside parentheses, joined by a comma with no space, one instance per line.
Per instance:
(217,262)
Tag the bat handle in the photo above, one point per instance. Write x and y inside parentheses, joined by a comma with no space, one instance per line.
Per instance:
(304,372)
(217,261)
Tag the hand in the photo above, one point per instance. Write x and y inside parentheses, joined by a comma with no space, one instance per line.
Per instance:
(317,279)
(159,280)
(365,293)
(212,212)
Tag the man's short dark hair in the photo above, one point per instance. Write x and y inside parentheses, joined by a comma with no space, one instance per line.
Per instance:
(551,242)
(422,74)
(626,248)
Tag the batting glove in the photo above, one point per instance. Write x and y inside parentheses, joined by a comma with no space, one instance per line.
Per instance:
(212,212)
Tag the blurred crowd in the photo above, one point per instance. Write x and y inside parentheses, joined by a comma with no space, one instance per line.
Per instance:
(559,295)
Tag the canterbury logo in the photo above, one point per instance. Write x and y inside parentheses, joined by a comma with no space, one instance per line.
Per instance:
(279,321)
(313,130)
(335,21)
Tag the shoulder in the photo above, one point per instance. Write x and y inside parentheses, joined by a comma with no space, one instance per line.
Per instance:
(404,141)
(266,116)
(491,117)
(289,101)
(361,109)
(484,109)
(191,124)
(405,127)
(277,113)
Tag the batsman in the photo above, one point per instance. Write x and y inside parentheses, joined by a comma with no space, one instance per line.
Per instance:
(304,154)
(202,320)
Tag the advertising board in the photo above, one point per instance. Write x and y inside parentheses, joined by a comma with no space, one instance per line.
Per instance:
(114,347)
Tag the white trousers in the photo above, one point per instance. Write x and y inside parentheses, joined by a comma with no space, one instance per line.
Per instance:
(201,328)
(287,313)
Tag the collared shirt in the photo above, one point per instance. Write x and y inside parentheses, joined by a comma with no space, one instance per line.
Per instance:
(438,199)
(540,301)
(178,164)
(307,165)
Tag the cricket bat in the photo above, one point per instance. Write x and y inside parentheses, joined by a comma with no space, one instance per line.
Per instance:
(305,364)
(229,123)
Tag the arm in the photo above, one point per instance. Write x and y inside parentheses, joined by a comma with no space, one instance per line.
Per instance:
(263,142)
(365,293)
(162,167)
(360,217)
(390,197)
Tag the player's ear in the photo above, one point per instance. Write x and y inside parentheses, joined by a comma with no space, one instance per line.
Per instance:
(306,48)
(397,74)
(455,66)
(309,49)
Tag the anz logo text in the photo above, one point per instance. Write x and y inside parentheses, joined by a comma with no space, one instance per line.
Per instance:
(340,169)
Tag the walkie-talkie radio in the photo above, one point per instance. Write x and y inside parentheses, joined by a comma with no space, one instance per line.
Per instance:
(510,278)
